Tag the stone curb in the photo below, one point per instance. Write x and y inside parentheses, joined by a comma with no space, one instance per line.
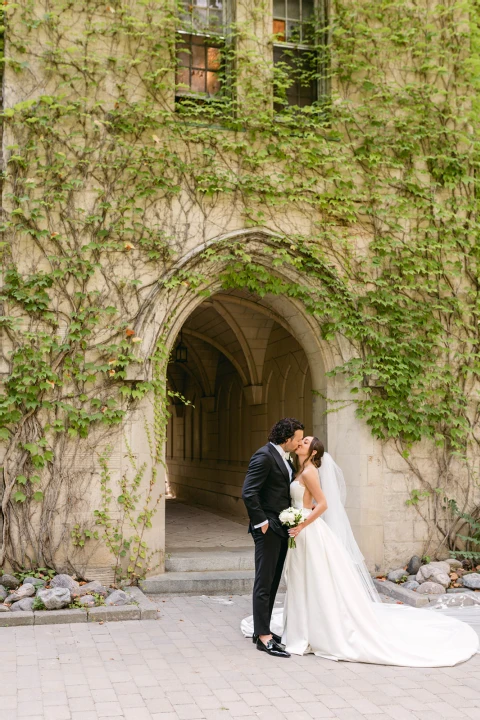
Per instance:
(106,614)
(148,611)
(143,609)
(58,617)
(386,587)
(16,617)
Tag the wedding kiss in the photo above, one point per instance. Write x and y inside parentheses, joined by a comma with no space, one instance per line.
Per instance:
(331,607)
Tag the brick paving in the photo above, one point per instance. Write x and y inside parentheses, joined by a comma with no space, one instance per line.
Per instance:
(192,663)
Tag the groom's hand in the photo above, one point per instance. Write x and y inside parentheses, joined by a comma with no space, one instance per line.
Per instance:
(265,527)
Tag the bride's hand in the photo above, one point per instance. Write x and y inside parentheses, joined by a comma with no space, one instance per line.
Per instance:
(293,532)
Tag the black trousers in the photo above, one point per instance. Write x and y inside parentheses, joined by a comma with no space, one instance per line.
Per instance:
(270,553)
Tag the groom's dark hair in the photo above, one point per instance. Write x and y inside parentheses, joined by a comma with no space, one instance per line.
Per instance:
(283,430)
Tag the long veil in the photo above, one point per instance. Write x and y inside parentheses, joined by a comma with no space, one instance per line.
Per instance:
(335,491)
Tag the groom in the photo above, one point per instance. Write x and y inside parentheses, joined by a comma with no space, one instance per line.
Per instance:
(266,492)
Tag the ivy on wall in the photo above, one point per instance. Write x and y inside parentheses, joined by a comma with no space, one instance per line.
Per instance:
(371,191)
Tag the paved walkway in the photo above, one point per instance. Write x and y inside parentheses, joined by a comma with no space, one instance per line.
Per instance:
(191,527)
(192,663)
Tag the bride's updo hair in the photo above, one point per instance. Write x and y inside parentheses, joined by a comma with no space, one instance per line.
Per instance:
(315,445)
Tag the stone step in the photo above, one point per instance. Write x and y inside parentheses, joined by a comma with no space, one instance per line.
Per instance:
(219,582)
(209,559)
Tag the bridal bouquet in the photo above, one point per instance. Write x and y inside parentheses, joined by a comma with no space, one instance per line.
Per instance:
(291,517)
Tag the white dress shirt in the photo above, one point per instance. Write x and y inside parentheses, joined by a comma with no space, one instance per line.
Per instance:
(283,455)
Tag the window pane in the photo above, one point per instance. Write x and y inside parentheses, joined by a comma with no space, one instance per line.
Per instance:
(183,78)
(184,59)
(213,83)
(198,81)
(299,70)
(293,31)
(215,23)
(200,19)
(307,9)
(279,29)
(198,56)
(293,9)
(213,58)
(279,9)
(216,4)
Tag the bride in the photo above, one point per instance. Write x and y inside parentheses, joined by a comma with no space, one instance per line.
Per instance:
(331,607)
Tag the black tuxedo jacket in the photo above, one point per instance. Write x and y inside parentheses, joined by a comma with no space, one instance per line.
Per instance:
(266,489)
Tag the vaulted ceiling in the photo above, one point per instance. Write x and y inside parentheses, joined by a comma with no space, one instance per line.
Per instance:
(236,325)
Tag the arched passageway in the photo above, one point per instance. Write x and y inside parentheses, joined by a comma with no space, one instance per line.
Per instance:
(250,360)
(241,369)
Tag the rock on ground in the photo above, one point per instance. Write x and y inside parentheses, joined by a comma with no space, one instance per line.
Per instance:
(36,582)
(23,591)
(117,597)
(9,581)
(414,565)
(93,587)
(411,585)
(472,581)
(3,593)
(87,601)
(436,572)
(25,604)
(431,588)
(454,563)
(65,581)
(396,575)
(56,598)
(4,608)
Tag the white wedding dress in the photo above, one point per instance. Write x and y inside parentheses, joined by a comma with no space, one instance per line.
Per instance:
(330,612)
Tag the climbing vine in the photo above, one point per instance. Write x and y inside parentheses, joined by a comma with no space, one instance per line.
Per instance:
(369,194)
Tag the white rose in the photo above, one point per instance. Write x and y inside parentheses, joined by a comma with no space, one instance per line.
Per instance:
(287,517)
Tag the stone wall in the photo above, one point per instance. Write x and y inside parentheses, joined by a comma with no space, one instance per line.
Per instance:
(208,446)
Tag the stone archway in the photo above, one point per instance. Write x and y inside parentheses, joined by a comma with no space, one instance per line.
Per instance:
(167,310)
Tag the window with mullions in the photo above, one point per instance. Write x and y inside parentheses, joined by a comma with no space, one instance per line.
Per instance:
(293,21)
(295,51)
(200,46)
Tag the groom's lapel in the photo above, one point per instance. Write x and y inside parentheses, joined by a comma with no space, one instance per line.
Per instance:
(293,471)
(280,463)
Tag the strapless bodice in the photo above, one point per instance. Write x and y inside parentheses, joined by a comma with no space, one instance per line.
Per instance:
(296,493)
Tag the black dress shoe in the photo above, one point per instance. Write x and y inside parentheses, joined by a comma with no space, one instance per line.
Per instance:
(272,648)
(277,639)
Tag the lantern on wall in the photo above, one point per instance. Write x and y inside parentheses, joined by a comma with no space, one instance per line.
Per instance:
(181,351)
